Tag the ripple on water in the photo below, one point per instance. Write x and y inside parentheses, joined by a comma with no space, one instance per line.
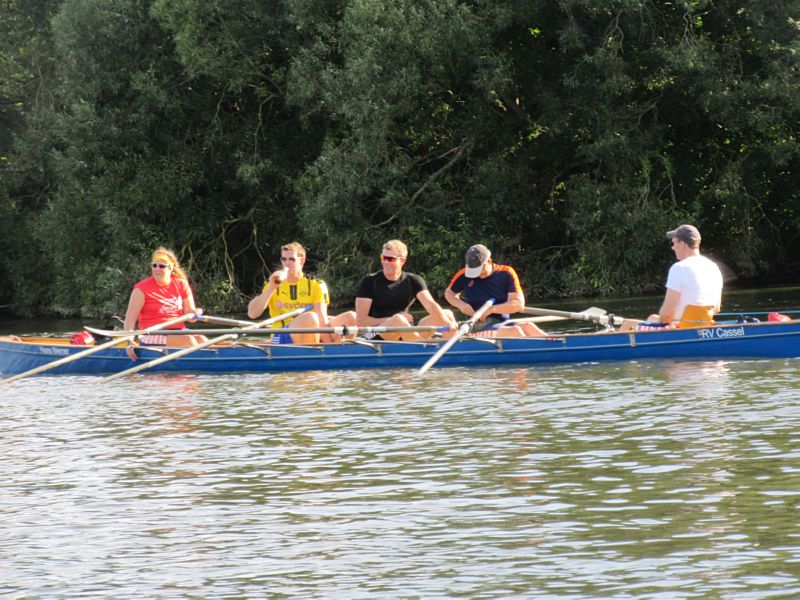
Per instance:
(625,480)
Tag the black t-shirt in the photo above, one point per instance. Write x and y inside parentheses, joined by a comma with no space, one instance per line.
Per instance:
(390,297)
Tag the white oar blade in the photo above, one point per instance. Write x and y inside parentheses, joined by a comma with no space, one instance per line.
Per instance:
(94,349)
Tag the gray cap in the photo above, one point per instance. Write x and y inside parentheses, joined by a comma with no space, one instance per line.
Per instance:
(477,256)
(686,233)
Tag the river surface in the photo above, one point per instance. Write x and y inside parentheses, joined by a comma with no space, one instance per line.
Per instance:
(650,479)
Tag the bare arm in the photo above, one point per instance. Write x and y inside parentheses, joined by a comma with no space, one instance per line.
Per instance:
(456,302)
(135,304)
(362,313)
(258,304)
(189,305)
(666,313)
(514,304)
(433,307)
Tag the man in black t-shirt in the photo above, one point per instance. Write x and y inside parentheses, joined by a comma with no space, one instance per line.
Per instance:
(384,297)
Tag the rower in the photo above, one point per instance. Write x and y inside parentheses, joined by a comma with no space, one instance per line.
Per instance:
(694,286)
(288,289)
(384,297)
(162,297)
(482,279)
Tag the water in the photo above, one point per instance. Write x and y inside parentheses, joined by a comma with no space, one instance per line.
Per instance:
(625,480)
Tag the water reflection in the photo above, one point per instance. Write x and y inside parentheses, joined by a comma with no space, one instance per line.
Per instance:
(174,402)
(627,480)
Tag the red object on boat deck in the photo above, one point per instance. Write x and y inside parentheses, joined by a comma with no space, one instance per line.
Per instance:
(773,316)
(82,338)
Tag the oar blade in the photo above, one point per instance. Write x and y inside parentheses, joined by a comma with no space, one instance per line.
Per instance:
(94,350)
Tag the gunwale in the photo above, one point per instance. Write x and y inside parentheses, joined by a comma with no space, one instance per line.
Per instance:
(722,341)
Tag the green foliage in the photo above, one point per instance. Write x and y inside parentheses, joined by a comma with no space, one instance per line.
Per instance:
(567,136)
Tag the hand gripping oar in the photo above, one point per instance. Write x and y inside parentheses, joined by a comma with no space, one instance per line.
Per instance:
(465,328)
(594,315)
(94,349)
(190,349)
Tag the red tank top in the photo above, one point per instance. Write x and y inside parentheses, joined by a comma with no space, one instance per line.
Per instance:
(162,303)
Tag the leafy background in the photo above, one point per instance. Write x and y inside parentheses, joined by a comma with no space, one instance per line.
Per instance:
(567,135)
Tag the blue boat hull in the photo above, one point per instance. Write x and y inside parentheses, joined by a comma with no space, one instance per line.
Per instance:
(745,341)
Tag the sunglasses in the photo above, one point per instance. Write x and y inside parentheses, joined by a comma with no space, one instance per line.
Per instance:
(391,259)
(160,266)
(289,259)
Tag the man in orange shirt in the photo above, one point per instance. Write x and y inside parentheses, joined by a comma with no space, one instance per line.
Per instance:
(481,280)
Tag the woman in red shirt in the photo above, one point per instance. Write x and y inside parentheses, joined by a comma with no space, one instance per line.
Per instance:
(164,296)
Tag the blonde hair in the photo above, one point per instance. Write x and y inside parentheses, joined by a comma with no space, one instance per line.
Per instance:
(294,247)
(167,255)
(397,246)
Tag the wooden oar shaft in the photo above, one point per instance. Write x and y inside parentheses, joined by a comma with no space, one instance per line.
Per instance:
(462,330)
(206,344)
(95,349)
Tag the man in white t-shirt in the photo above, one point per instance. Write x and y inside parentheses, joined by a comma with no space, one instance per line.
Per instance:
(694,285)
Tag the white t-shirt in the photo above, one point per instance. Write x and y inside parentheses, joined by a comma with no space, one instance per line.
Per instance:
(698,280)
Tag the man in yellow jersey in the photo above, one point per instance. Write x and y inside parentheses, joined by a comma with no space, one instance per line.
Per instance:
(288,289)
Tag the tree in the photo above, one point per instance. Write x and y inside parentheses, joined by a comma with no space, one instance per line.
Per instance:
(26,80)
(568,136)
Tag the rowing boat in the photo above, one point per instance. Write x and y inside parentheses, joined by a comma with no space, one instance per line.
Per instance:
(723,341)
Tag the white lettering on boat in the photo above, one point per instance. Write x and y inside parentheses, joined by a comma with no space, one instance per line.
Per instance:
(721,333)
(54,351)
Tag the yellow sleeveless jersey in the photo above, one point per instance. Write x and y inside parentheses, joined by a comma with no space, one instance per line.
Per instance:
(291,296)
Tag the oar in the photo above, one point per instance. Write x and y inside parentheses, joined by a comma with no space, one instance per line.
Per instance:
(226,321)
(127,335)
(236,325)
(595,315)
(465,328)
(751,312)
(545,319)
(250,331)
(205,344)
(551,318)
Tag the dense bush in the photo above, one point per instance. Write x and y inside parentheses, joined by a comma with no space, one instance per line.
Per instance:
(567,135)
